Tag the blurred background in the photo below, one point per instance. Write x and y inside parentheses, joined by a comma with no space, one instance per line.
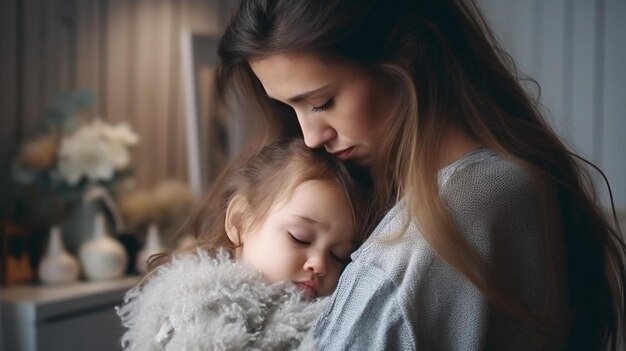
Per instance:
(110,131)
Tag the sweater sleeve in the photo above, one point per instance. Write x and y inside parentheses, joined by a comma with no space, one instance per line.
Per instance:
(496,206)
(367,315)
(400,295)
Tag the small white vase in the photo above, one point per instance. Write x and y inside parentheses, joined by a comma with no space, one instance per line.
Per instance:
(102,256)
(152,246)
(57,266)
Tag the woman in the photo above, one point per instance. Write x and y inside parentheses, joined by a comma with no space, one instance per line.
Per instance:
(491,238)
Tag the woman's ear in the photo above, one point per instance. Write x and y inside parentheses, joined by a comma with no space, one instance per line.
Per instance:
(234,219)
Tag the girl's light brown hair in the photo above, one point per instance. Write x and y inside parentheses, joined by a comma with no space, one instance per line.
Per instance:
(448,71)
(261,179)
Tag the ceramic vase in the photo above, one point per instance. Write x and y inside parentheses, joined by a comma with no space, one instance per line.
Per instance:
(102,256)
(77,226)
(79,222)
(152,246)
(57,266)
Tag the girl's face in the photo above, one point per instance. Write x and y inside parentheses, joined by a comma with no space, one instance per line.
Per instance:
(306,239)
(339,107)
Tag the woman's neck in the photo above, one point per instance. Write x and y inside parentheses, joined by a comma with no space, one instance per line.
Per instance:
(455,144)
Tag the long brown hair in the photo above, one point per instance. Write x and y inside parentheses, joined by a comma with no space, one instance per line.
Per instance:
(448,71)
(263,177)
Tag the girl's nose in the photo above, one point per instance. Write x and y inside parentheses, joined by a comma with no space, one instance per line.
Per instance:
(316,264)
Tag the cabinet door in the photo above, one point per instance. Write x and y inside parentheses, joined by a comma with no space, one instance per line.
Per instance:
(94,331)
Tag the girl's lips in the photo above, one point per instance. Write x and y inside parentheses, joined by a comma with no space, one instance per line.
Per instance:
(307,288)
(344,154)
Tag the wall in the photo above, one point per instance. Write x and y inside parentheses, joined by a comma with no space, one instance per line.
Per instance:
(126,51)
(576,50)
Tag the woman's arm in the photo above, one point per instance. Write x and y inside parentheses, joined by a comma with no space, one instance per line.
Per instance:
(403,296)
(364,314)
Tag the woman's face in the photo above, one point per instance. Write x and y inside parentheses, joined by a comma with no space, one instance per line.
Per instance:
(339,107)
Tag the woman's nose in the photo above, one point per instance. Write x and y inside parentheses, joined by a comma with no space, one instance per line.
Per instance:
(316,133)
(316,264)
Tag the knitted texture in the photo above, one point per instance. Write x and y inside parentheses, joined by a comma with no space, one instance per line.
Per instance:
(204,302)
(398,294)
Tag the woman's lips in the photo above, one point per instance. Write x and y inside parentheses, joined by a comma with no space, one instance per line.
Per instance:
(307,288)
(344,154)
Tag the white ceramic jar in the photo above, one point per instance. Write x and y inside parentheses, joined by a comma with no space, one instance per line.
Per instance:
(152,246)
(102,256)
(57,266)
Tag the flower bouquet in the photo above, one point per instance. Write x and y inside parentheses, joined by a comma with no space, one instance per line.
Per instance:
(55,170)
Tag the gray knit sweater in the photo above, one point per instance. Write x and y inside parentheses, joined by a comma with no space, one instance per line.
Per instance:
(400,295)
(202,302)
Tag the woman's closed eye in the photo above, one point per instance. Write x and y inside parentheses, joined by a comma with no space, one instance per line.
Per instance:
(325,106)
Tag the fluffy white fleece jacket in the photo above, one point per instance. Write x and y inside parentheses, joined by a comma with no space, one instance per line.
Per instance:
(209,302)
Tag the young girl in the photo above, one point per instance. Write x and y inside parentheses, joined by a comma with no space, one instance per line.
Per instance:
(493,239)
(281,230)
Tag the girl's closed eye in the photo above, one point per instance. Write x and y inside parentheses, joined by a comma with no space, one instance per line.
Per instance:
(325,106)
(298,240)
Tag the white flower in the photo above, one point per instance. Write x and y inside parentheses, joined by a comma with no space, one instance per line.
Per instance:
(95,151)
(80,155)
(120,134)
(118,155)
(117,139)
